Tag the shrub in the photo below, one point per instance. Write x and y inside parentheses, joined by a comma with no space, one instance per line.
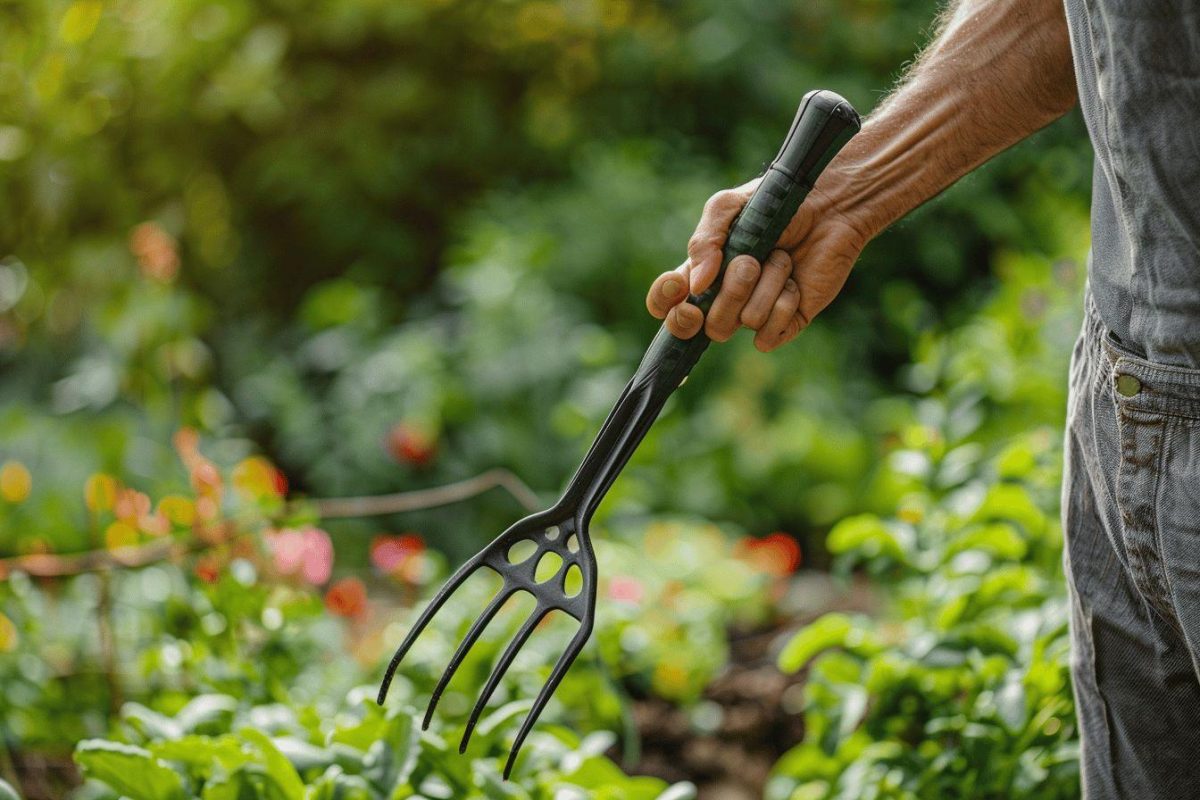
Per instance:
(961,687)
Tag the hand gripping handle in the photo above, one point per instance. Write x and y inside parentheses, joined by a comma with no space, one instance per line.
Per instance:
(823,124)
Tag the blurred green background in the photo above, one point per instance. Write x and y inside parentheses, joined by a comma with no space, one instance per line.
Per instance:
(391,245)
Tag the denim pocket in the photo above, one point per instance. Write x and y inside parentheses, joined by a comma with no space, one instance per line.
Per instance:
(1141,385)
(1158,482)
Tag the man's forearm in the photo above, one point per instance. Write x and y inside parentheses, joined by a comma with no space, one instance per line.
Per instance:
(997,71)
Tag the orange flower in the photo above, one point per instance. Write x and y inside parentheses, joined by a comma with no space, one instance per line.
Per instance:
(347,598)
(776,554)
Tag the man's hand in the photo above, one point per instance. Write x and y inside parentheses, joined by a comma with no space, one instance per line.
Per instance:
(997,71)
(776,299)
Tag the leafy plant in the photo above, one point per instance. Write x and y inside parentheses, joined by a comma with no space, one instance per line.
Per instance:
(961,689)
(357,752)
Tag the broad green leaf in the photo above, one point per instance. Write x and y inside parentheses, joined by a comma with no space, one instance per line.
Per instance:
(866,534)
(128,770)
(303,755)
(228,787)
(149,724)
(501,717)
(207,713)
(831,630)
(362,734)
(1011,704)
(202,754)
(391,759)
(336,785)
(278,768)
(998,538)
(493,785)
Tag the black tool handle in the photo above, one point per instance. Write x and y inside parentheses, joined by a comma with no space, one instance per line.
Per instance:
(823,124)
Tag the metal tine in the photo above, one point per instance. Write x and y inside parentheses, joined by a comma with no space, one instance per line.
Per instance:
(435,605)
(556,676)
(468,641)
(502,665)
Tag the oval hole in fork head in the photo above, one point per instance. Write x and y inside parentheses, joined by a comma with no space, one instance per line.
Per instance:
(521,551)
(573,581)
(547,567)
(573,543)
(552,533)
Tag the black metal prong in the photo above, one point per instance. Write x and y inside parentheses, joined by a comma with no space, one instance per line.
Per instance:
(502,665)
(463,648)
(556,676)
(435,605)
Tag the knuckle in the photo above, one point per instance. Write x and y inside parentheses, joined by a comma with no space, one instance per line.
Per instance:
(720,201)
(717,332)
(779,260)
(753,318)
(700,243)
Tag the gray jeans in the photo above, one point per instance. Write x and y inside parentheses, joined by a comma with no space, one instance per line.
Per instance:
(1131,516)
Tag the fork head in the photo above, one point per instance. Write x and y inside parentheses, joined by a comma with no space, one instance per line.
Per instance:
(556,537)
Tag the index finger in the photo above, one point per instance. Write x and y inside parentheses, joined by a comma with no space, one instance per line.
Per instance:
(704,248)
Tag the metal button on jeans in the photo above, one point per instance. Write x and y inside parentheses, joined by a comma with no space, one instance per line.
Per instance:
(1128,386)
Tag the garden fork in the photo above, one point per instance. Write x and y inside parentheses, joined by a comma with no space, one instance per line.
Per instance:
(823,124)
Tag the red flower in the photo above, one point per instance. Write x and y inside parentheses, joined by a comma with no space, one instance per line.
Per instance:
(411,445)
(347,598)
(776,554)
(279,482)
(208,569)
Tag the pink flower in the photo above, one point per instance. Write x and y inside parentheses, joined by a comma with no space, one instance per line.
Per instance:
(624,588)
(307,552)
(388,553)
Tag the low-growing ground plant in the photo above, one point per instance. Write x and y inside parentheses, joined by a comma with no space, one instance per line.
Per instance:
(216,748)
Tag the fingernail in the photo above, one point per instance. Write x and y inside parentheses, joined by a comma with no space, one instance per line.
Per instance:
(745,270)
(670,288)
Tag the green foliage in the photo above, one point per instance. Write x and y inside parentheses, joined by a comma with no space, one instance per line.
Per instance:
(356,752)
(296,228)
(393,245)
(961,688)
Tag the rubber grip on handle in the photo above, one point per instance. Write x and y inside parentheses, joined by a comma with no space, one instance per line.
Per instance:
(824,123)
